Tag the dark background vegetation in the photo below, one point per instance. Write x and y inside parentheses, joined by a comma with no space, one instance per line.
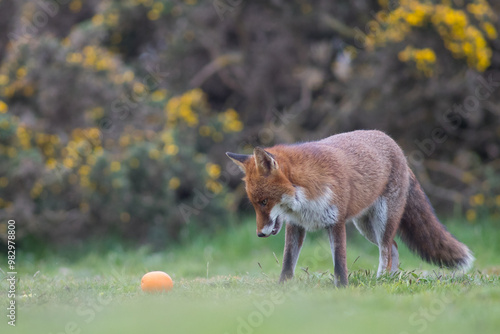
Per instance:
(115,115)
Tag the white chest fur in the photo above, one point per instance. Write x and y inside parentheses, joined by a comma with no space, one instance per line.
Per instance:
(312,214)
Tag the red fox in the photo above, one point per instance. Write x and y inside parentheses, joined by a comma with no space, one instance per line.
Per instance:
(360,177)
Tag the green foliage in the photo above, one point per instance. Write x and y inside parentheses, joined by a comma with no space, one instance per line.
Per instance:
(99,289)
(114,114)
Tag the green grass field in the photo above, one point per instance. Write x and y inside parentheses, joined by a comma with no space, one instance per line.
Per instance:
(228,284)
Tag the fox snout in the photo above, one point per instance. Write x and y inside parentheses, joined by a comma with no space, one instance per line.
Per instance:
(271,228)
(264,227)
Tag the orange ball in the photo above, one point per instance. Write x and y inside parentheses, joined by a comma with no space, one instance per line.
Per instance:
(156,281)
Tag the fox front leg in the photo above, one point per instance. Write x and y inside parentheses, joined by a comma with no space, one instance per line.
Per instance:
(294,238)
(337,236)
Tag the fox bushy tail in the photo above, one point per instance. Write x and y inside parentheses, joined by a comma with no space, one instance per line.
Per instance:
(421,230)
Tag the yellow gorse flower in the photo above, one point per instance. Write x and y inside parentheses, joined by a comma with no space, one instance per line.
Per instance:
(36,190)
(154,154)
(3,79)
(3,107)
(471,215)
(159,95)
(423,58)
(490,30)
(84,170)
(75,6)
(205,130)
(477,200)
(153,14)
(213,170)
(461,37)
(112,19)
(214,186)
(115,166)
(21,72)
(174,183)
(231,121)
(128,76)
(68,163)
(171,149)
(51,163)
(74,58)
(183,108)
(93,57)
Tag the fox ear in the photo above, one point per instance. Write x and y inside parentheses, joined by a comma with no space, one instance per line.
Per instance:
(239,159)
(264,161)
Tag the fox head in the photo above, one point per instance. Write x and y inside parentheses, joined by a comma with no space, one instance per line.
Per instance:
(266,186)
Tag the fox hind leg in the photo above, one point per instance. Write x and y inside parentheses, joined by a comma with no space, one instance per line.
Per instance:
(389,255)
(385,260)
(379,229)
(388,248)
(395,257)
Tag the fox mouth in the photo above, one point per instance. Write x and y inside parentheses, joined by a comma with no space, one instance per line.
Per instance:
(277,226)
(271,229)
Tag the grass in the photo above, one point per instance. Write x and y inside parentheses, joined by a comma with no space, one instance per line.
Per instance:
(227,284)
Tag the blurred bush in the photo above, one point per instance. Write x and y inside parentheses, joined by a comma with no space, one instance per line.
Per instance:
(147,185)
(464,30)
(114,115)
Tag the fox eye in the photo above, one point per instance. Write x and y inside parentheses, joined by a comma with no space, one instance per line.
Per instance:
(263,202)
